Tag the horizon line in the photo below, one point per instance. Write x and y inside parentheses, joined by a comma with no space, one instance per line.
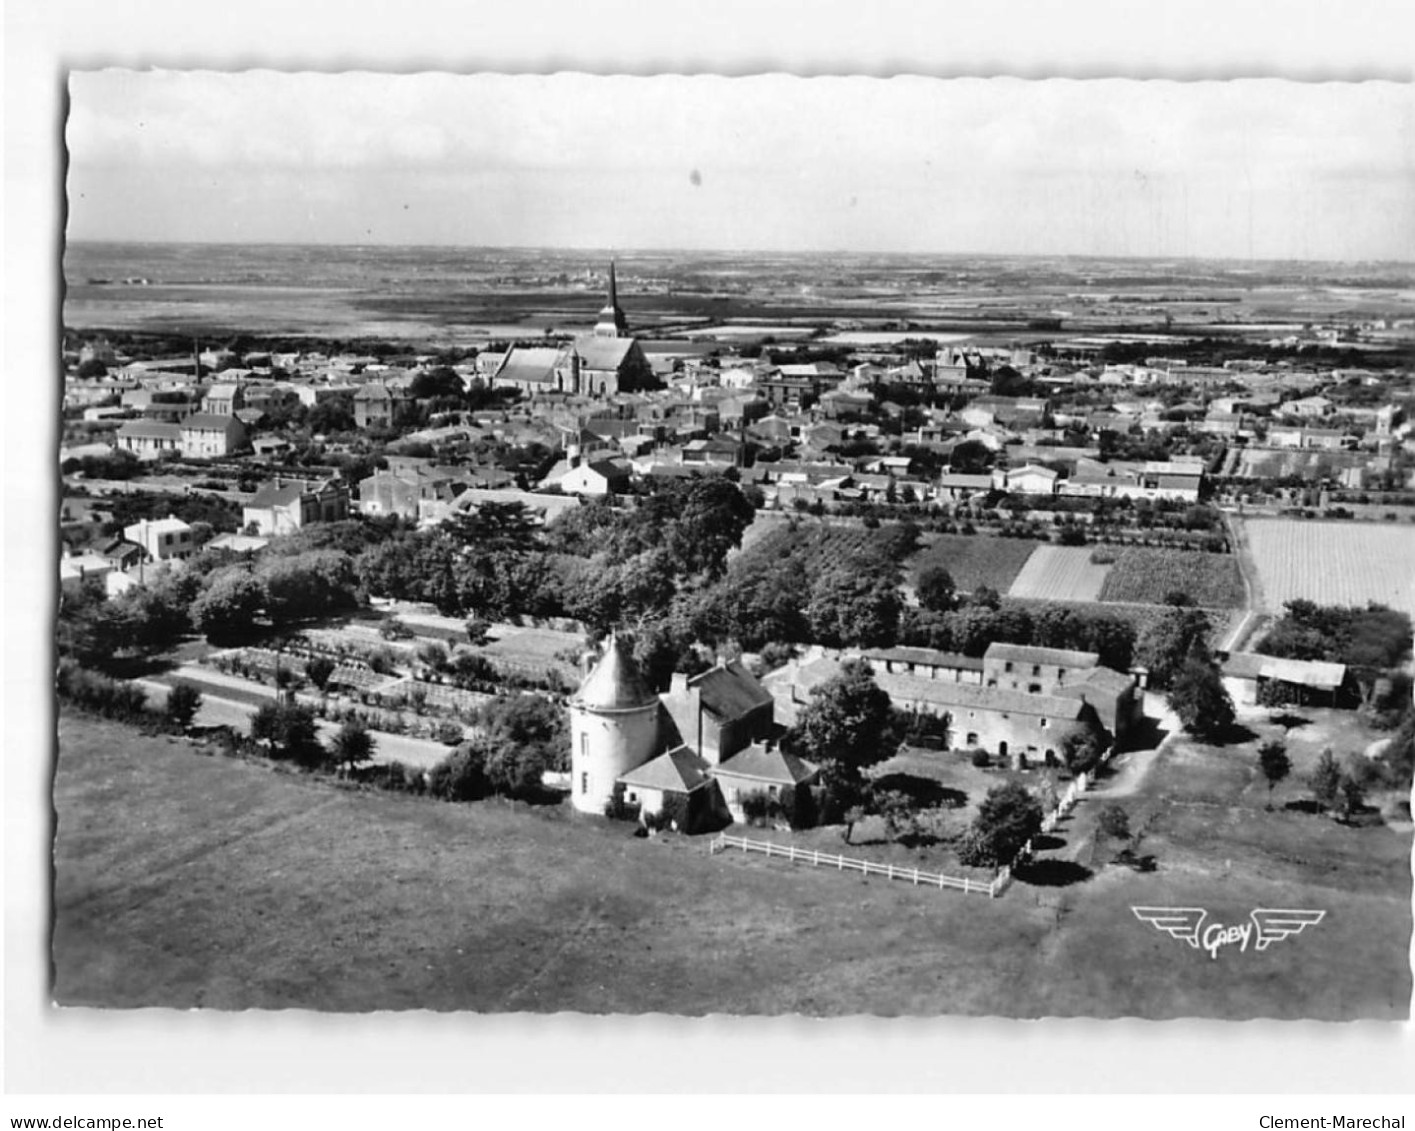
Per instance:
(617,251)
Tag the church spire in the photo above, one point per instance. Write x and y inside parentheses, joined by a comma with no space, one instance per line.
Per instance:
(612,323)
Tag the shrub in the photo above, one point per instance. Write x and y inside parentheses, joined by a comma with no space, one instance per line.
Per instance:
(1115,822)
(183,702)
(618,809)
(798,808)
(756,807)
(980,759)
(461,776)
(394,629)
(449,733)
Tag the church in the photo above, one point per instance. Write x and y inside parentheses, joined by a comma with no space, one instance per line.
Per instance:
(699,748)
(607,361)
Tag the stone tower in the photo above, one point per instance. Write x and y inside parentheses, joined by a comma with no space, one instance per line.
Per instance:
(612,323)
(614,727)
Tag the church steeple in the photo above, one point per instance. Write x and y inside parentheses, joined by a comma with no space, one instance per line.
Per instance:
(612,323)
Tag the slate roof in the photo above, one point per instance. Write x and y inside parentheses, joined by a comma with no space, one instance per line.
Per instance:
(677,771)
(773,766)
(944,693)
(926,656)
(1307,673)
(271,495)
(206,421)
(615,683)
(730,691)
(1051,657)
(603,353)
(150,430)
(529,363)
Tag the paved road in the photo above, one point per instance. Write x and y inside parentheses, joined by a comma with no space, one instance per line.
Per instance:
(215,711)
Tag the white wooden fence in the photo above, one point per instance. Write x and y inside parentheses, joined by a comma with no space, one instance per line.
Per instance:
(850,864)
(995,888)
(1066,803)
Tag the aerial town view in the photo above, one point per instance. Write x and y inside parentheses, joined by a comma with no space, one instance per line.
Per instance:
(505,594)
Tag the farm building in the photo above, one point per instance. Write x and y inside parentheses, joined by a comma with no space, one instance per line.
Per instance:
(1016,702)
(1245,674)
(672,750)
(927,663)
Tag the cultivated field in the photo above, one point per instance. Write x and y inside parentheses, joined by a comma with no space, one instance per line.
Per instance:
(1333,563)
(976,559)
(1146,576)
(227,885)
(1060,573)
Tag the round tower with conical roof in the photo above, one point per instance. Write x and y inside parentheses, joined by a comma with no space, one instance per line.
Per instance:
(614,727)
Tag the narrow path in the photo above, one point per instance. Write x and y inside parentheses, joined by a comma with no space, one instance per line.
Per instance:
(1252,593)
(216,711)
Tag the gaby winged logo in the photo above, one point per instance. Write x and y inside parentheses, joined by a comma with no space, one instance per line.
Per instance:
(1265,926)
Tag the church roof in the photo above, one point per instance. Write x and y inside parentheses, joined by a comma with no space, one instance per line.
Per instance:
(603,353)
(529,363)
(615,683)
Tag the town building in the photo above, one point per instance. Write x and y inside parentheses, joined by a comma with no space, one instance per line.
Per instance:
(163,539)
(284,506)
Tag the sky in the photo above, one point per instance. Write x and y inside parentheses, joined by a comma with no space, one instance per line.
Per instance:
(1250,169)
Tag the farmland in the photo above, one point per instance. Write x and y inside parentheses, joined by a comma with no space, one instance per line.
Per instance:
(975,560)
(1333,563)
(1060,573)
(1147,576)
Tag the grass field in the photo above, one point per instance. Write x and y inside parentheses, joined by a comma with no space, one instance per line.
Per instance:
(185,881)
(1060,573)
(1333,563)
(1146,576)
(975,559)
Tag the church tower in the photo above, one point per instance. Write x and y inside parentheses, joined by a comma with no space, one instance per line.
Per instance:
(612,323)
(614,727)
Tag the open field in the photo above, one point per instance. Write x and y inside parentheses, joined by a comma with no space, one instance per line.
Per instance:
(975,559)
(1333,563)
(1060,573)
(225,884)
(1146,576)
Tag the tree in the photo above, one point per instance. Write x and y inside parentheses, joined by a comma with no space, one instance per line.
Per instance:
(227,607)
(847,726)
(1084,742)
(1352,796)
(353,744)
(318,670)
(971,457)
(1275,764)
(1199,697)
(1007,819)
(936,589)
(1325,779)
(289,730)
(461,776)
(852,606)
(439,382)
(1114,822)
(1166,643)
(523,736)
(183,702)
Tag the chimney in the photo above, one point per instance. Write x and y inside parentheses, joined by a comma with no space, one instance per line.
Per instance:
(679,684)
